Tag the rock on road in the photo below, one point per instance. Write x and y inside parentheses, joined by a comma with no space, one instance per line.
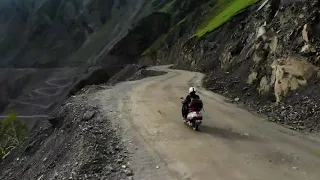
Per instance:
(233,144)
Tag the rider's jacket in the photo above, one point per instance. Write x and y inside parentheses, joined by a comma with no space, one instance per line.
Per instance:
(190,97)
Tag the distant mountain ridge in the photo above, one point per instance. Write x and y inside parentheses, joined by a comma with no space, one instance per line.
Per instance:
(40,33)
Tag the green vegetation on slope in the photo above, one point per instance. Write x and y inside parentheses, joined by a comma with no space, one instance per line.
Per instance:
(179,23)
(12,133)
(168,7)
(221,13)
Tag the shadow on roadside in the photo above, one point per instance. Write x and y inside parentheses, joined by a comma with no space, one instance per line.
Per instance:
(228,134)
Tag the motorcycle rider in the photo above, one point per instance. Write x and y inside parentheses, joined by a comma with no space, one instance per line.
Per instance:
(185,107)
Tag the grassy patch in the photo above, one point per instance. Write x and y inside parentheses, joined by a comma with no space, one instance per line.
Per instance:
(178,24)
(168,7)
(182,21)
(12,133)
(221,13)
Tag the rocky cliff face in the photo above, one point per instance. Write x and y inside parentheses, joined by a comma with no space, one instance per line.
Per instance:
(265,57)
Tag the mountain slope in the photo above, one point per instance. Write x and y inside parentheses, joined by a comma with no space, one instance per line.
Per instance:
(59,41)
(263,55)
(45,33)
(259,56)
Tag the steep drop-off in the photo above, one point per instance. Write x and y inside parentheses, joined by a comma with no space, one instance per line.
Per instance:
(51,49)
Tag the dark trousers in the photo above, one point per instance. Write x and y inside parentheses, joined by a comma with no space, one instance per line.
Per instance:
(184,111)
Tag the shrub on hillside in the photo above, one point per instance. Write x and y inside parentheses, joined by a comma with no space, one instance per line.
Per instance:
(12,132)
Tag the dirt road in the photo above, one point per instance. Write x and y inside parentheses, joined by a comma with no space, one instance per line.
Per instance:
(232,144)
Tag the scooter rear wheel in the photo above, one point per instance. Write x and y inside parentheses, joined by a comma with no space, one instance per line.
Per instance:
(196,127)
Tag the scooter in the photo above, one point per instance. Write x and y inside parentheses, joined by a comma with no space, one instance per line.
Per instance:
(194,117)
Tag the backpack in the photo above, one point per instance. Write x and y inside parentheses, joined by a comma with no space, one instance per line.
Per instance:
(196,103)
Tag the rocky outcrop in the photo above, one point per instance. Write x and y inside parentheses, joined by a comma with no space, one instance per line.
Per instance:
(96,75)
(289,74)
(124,74)
(131,73)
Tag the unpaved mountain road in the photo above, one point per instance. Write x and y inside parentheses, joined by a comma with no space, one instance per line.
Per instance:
(232,144)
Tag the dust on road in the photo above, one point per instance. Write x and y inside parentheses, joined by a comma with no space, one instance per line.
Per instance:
(232,144)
